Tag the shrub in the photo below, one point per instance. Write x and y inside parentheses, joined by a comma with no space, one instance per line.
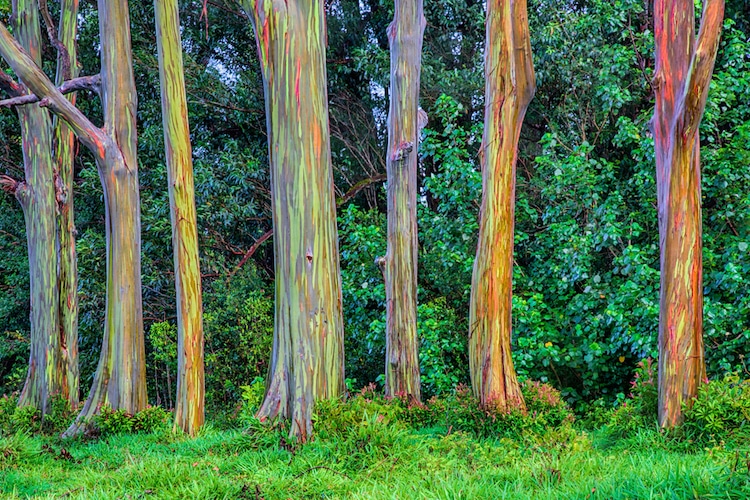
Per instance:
(252,398)
(58,417)
(150,419)
(26,419)
(639,410)
(721,411)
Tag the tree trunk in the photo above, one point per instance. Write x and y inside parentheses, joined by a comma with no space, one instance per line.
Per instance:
(46,375)
(683,73)
(120,378)
(400,263)
(509,87)
(189,410)
(307,362)
(67,279)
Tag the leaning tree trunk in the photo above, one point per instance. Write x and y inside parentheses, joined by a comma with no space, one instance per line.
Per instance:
(120,378)
(307,362)
(400,263)
(46,375)
(683,73)
(189,412)
(509,87)
(67,279)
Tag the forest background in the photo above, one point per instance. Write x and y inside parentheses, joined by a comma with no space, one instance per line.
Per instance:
(586,278)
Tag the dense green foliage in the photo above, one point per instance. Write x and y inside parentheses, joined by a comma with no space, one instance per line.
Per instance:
(586,279)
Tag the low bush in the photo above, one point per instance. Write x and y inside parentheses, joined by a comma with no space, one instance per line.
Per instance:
(720,412)
(152,418)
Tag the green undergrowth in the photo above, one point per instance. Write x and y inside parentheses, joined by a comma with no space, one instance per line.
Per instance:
(374,462)
(372,447)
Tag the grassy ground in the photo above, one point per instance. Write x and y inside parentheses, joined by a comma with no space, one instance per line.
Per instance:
(389,463)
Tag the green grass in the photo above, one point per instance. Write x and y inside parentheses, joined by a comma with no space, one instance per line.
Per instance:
(384,463)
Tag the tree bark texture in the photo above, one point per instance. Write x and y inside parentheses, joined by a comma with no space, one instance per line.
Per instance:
(510,86)
(46,375)
(120,378)
(307,362)
(400,264)
(683,72)
(189,407)
(67,278)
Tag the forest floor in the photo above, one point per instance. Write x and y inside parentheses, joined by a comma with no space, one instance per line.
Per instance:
(402,464)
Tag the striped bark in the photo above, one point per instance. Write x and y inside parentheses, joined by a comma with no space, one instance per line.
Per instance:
(189,408)
(67,278)
(509,87)
(683,72)
(46,375)
(307,362)
(400,263)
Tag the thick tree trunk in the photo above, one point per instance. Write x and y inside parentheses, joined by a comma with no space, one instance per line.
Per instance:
(120,378)
(46,375)
(400,263)
(307,362)
(189,410)
(509,87)
(67,279)
(681,80)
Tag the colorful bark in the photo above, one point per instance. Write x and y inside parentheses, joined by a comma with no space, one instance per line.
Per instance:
(307,362)
(120,378)
(46,375)
(509,87)
(400,263)
(189,408)
(682,76)
(67,278)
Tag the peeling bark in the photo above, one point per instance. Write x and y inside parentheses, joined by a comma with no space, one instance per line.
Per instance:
(189,408)
(509,87)
(682,76)
(46,375)
(307,362)
(399,265)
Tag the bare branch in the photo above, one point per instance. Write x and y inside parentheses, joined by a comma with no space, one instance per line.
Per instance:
(52,35)
(34,78)
(10,86)
(8,184)
(92,83)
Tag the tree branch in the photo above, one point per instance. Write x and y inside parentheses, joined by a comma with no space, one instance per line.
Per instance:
(10,86)
(8,184)
(355,189)
(702,66)
(91,83)
(52,35)
(34,78)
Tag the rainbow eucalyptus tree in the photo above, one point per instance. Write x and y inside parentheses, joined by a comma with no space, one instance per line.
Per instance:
(65,145)
(46,199)
(399,265)
(307,362)
(682,75)
(509,87)
(120,378)
(189,408)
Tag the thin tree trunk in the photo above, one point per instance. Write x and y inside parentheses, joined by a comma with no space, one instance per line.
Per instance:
(307,362)
(400,263)
(189,411)
(67,68)
(683,73)
(509,87)
(46,375)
